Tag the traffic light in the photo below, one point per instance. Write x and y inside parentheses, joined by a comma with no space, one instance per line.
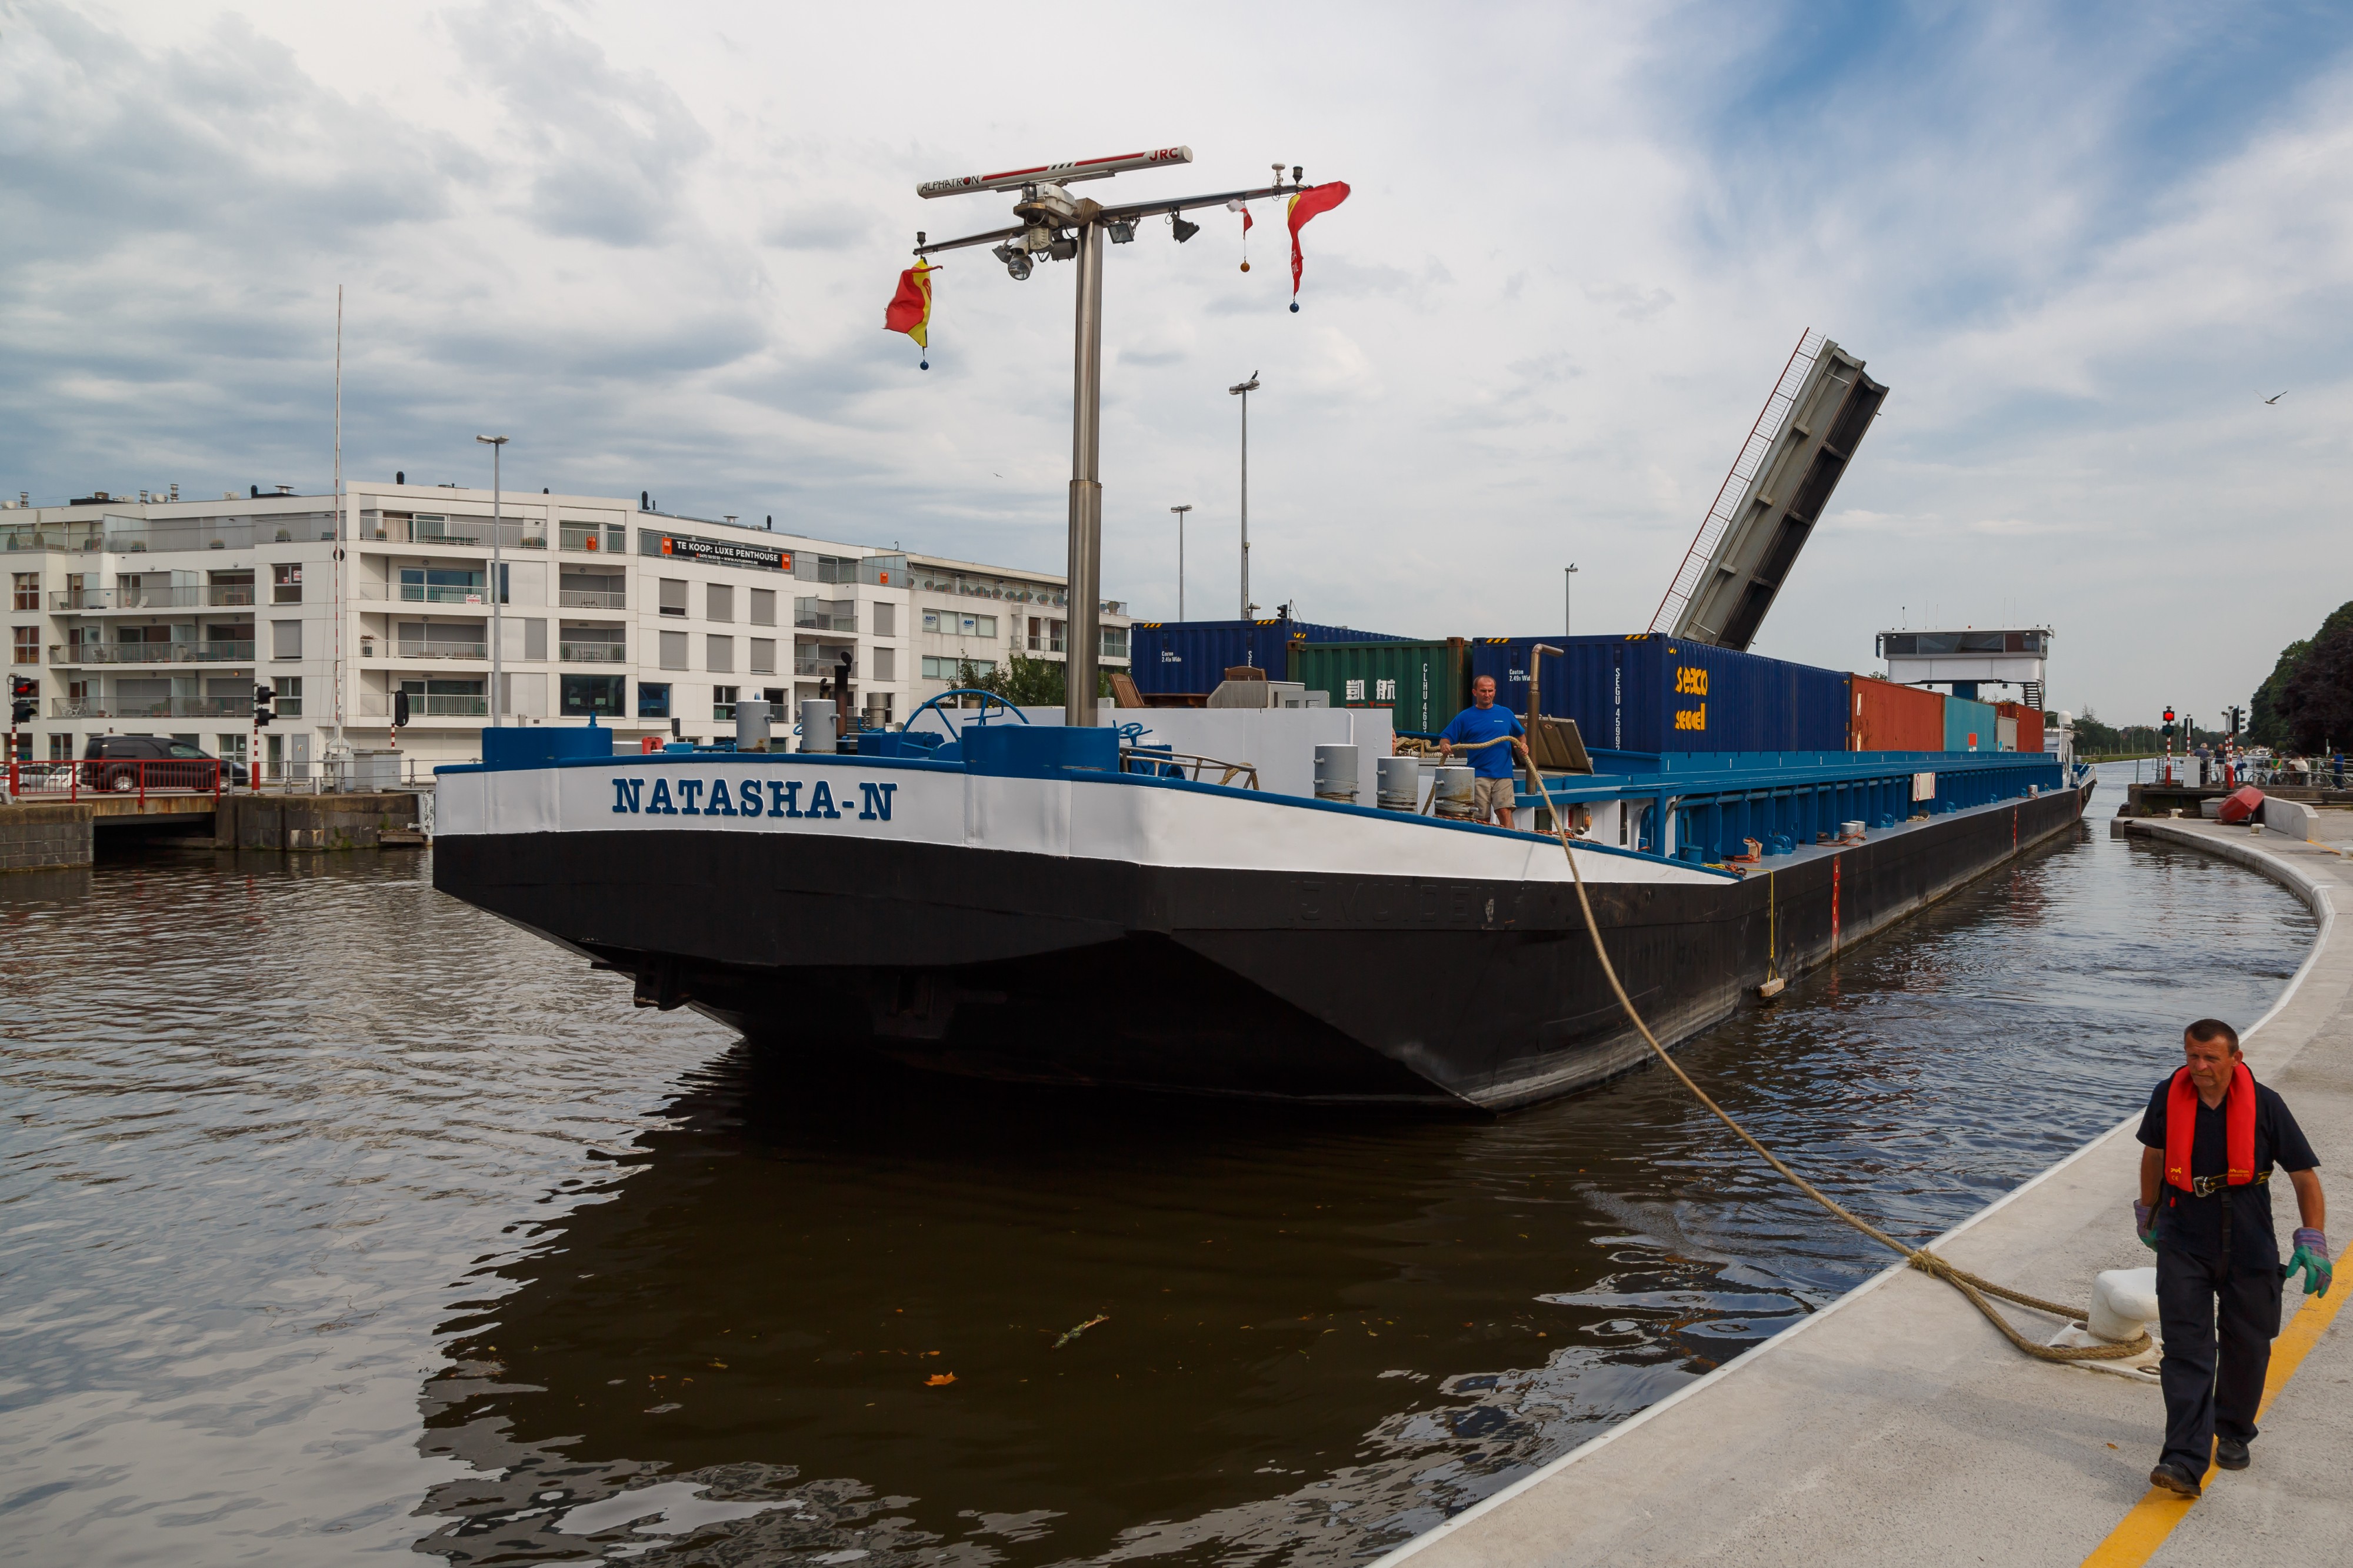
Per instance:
(22,693)
(262,698)
(2168,723)
(399,709)
(2238,720)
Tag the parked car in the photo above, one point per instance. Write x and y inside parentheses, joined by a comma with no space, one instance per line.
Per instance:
(107,763)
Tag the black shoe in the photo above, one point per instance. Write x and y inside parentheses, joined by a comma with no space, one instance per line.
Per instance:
(2172,1479)
(2230,1453)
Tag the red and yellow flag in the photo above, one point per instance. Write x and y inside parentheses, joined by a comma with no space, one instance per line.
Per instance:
(1304,206)
(910,311)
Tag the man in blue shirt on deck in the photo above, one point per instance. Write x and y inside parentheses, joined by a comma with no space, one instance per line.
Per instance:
(1482,720)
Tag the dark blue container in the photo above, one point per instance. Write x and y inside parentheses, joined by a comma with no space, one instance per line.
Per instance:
(1646,693)
(1194,656)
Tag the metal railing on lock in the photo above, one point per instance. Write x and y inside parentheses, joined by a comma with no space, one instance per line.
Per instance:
(122,776)
(592,653)
(151,653)
(1154,763)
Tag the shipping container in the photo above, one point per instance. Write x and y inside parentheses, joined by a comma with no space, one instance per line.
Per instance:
(1885,716)
(2029,723)
(1194,656)
(1646,693)
(1968,725)
(1422,684)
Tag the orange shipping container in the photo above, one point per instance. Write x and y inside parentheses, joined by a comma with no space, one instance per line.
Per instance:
(1884,717)
(2030,723)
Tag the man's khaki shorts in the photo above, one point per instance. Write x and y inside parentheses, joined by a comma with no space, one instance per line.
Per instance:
(1489,796)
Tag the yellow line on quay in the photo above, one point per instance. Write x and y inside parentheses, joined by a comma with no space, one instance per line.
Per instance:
(2144,1529)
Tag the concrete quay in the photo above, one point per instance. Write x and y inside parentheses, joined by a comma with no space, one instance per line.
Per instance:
(1897,1426)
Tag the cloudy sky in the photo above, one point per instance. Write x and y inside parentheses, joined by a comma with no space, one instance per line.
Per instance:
(653,243)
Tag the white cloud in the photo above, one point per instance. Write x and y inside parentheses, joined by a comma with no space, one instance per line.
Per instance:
(655,245)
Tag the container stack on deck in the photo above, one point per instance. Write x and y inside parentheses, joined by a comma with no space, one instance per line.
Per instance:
(1643,694)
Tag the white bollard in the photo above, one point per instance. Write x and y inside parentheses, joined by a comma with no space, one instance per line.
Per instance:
(2124,1302)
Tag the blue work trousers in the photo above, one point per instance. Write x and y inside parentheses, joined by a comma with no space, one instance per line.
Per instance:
(2213,1371)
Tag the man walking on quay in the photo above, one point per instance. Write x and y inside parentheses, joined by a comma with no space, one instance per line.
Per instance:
(1482,720)
(2211,1135)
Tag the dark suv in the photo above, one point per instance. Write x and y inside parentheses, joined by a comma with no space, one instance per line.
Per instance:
(170,764)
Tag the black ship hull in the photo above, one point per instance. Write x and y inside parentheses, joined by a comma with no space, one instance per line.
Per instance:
(1311,982)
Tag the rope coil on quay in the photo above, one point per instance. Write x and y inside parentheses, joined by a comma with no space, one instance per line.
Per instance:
(1974,1287)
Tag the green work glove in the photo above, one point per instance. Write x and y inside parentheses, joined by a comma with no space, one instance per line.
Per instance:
(2145,1224)
(2311,1261)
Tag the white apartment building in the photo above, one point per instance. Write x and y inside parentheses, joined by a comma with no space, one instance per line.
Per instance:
(160,616)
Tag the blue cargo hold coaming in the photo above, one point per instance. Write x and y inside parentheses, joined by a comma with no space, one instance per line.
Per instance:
(1647,693)
(1194,656)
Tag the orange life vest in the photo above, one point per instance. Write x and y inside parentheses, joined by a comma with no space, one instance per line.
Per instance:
(2238,1124)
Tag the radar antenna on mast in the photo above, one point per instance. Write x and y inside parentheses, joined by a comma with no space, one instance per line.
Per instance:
(1055,226)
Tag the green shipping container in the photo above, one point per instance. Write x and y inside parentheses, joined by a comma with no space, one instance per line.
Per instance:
(1422,684)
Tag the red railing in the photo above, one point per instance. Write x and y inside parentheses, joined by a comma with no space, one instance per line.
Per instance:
(119,777)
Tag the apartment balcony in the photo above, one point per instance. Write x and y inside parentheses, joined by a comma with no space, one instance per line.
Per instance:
(825,615)
(379,705)
(475,650)
(148,653)
(88,600)
(592,598)
(430,594)
(156,708)
(591,653)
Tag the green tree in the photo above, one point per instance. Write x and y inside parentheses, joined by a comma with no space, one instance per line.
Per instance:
(1028,682)
(2317,703)
(2268,721)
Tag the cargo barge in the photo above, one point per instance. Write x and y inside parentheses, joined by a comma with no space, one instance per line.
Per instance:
(1049,904)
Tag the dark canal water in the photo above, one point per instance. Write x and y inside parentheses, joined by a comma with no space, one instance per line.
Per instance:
(337,1219)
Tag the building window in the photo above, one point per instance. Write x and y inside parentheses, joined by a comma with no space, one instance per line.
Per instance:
(61,748)
(978,625)
(720,655)
(653,699)
(723,704)
(584,695)
(932,620)
(1114,642)
(763,607)
(286,584)
(673,596)
(27,645)
(286,639)
(886,619)
(289,693)
(673,650)
(719,601)
(434,585)
(951,668)
(29,590)
(763,656)
(885,662)
(441,700)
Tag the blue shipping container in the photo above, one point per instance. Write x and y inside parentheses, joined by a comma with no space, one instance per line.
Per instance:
(1646,693)
(1194,656)
(1968,725)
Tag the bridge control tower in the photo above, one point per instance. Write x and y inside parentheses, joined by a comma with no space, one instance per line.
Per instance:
(1964,658)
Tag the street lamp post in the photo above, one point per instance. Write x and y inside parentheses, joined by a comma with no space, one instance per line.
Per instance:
(1568,602)
(1180,511)
(498,583)
(1243,392)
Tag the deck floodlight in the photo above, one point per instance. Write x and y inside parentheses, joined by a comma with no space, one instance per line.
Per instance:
(1121,233)
(1183,230)
(1017,260)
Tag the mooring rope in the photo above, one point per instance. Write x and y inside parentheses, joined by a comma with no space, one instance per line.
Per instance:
(1971,1285)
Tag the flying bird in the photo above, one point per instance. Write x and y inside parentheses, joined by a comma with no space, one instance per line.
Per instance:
(2274,398)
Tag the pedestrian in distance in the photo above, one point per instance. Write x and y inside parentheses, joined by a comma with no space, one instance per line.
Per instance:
(1482,720)
(2210,1138)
